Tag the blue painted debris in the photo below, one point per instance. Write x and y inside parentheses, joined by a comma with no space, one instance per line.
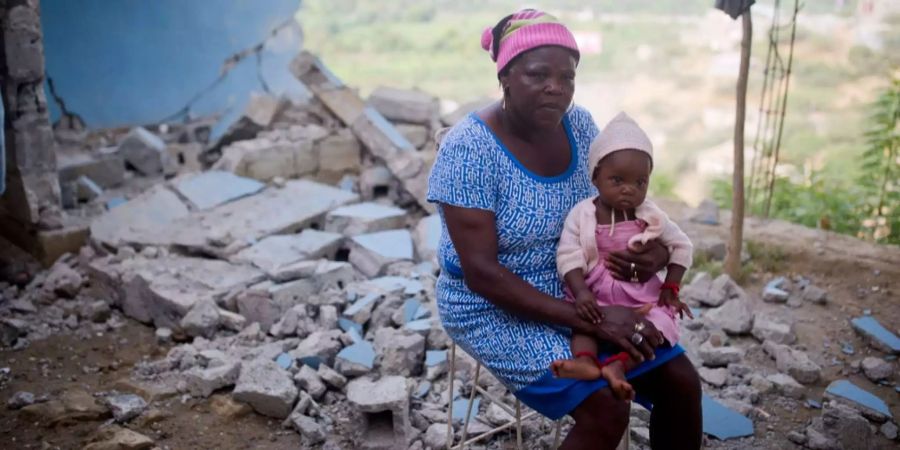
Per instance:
(115,201)
(390,283)
(361,353)
(461,405)
(776,283)
(213,188)
(311,361)
(696,312)
(435,357)
(848,348)
(356,335)
(347,324)
(722,422)
(419,325)
(410,308)
(422,312)
(853,393)
(360,304)
(422,390)
(879,336)
(812,404)
(897,389)
(284,360)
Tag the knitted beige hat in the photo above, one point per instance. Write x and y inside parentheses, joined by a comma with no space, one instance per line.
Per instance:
(621,133)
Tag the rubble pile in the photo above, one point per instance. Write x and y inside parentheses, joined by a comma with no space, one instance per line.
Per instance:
(289,265)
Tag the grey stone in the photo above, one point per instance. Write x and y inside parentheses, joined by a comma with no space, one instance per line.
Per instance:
(328,317)
(312,432)
(766,327)
(364,218)
(402,353)
(200,382)
(332,377)
(163,335)
(497,416)
(371,253)
(20,400)
(794,362)
(786,385)
(877,369)
(436,436)
(86,189)
(401,105)
(815,294)
(63,280)
(818,440)
(761,384)
(126,406)
(267,388)
(889,430)
(719,356)
(697,291)
(107,170)
(797,437)
(203,319)
(324,344)
(294,322)
(734,317)
(721,290)
(773,294)
(848,427)
(273,253)
(309,381)
(144,151)
(97,311)
(715,377)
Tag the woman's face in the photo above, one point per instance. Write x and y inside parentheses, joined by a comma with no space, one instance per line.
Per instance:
(622,178)
(540,84)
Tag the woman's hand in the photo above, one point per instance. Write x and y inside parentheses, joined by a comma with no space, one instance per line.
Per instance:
(619,325)
(639,264)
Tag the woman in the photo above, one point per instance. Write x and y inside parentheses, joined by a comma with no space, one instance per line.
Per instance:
(504,180)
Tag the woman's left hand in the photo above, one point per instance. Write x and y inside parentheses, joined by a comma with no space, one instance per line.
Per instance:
(639,264)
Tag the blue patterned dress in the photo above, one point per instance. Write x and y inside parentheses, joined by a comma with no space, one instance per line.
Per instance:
(475,170)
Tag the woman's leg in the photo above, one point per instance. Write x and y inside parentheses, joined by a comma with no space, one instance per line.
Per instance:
(676,421)
(600,421)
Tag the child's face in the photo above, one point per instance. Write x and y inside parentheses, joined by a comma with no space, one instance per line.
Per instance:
(622,178)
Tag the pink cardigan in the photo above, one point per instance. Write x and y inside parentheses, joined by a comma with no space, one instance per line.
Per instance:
(578,243)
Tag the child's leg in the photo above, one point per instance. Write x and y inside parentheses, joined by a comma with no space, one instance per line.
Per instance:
(584,365)
(613,371)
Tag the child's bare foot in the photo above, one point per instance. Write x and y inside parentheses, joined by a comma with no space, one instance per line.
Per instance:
(581,368)
(614,373)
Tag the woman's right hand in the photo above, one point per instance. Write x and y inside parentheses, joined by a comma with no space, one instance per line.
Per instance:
(618,326)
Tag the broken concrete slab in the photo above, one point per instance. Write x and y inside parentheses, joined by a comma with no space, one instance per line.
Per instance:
(769,327)
(324,344)
(384,405)
(735,316)
(786,385)
(107,170)
(723,423)
(342,101)
(364,218)
(719,356)
(311,432)
(308,379)
(262,109)
(272,253)
(876,369)
(866,402)
(417,135)
(202,382)
(125,407)
(297,205)
(212,188)
(405,105)
(144,151)
(339,153)
(402,353)
(371,253)
(202,319)
(877,335)
(281,154)
(164,289)
(380,137)
(355,360)
(427,237)
(140,220)
(794,362)
(267,388)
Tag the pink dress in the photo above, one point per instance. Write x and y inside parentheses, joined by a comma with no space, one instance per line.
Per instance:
(610,291)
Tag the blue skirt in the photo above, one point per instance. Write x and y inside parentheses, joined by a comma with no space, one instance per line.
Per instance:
(555,397)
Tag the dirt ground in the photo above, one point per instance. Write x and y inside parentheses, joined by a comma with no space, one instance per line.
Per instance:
(858,276)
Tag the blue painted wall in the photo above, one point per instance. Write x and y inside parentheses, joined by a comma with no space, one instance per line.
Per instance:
(124,62)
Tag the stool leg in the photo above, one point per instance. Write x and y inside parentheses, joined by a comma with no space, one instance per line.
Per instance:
(465,430)
(450,396)
(556,434)
(518,424)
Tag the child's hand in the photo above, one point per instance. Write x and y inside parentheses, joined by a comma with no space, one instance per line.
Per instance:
(668,298)
(587,307)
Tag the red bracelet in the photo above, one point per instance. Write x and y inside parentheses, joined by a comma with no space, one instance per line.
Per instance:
(674,287)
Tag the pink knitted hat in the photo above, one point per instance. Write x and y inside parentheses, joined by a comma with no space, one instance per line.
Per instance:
(621,133)
(526,30)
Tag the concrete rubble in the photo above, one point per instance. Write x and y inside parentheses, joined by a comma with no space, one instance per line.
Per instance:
(289,269)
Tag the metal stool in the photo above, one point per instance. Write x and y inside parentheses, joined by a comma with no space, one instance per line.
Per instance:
(515,411)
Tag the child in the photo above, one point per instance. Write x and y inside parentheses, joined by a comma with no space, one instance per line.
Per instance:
(620,162)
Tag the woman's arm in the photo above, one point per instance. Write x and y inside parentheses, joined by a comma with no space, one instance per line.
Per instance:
(474,237)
